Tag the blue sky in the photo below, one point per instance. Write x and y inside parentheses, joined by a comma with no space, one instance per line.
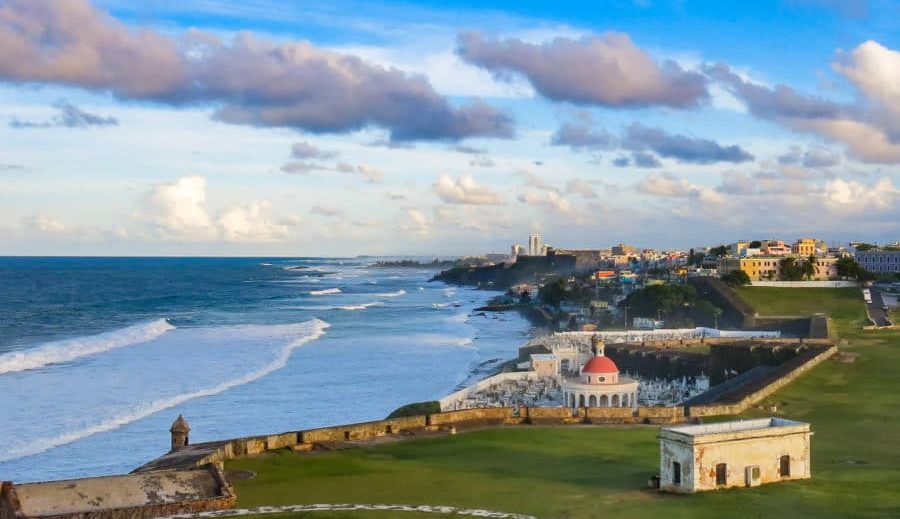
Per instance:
(225,127)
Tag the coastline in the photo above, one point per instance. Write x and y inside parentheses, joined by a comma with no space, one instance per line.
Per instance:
(421,340)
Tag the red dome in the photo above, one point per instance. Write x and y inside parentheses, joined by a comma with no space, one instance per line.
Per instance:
(600,364)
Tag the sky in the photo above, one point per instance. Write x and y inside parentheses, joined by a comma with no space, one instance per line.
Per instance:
(277,128)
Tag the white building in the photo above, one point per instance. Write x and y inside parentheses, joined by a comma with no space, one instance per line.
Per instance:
(743,453)
(534,245)
(515,251)
(599,384)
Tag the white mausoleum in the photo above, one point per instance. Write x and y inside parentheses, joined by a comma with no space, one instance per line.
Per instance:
(599,384)
(742,453)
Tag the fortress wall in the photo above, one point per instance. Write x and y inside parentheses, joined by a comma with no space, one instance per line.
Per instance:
(554,415)
(755,392)
(361,431)
(733,403)
(610,415)
(486,414)
(138,496)
(660,415)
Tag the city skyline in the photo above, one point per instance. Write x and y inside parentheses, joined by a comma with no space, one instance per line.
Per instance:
(265,128)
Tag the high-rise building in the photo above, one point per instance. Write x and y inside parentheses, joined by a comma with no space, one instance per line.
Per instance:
(515,251)
(534,245)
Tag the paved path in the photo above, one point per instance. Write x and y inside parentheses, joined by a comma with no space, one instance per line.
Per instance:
(876,308)
(428,509)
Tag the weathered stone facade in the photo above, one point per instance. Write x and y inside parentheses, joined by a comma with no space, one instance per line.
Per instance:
(134,496)
(695,458)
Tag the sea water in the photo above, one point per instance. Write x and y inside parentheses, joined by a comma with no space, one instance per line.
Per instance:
(99,355)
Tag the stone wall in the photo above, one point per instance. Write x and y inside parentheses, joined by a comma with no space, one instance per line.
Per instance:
(362,431)
(137,496)
(746,396)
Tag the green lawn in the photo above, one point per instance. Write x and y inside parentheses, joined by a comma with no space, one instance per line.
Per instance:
(563,472)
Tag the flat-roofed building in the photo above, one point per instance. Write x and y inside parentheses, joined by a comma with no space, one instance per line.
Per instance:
(775,248)
(805,247)
(758,268)
(744,453)
(879,260)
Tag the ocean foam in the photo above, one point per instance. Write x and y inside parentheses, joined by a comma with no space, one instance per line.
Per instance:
(360,307)
(67,350)
(316,330)
(325,292)
(398,293)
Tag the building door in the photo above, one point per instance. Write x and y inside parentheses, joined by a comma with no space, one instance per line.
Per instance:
(785,466)
(721,474)
(676,473)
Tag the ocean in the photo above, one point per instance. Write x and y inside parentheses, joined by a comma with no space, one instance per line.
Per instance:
(98,356)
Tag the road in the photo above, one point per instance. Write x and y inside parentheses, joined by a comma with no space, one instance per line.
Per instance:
(876,308)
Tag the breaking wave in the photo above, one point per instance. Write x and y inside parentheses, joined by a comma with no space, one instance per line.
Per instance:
(67,350)
(398,293)
(325,292)
(316,330)
(362,306)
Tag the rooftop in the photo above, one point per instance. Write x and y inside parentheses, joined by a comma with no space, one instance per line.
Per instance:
(739,429)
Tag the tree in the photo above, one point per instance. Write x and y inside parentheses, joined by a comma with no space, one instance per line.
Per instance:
(790,270)
(755,244)
(736,278)
(862,247)
(809,267)
(848,268)
(658,300)
(720,251)
(553,292)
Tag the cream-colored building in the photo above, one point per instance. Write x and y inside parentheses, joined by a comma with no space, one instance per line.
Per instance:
(745,453)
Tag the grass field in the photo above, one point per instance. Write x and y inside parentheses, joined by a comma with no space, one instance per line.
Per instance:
(587,472)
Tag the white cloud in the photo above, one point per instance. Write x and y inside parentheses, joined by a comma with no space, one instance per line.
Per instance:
(553,200)
(465,190)
(578,186)
(854,197)
(373,175)
(874,69)
(416,222)
(250,222)
(670,186)
(43,223)
(178,209)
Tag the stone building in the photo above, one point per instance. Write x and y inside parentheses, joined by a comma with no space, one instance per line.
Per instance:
(743,453)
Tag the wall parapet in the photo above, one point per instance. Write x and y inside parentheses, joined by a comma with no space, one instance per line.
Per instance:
(781,376)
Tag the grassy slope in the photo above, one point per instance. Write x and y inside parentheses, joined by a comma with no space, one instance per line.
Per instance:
(590,472)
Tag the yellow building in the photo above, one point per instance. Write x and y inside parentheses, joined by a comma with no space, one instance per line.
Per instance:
(768,268)
(758,268)
(806,247)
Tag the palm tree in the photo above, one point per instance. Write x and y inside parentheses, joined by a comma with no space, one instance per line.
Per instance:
(809,267)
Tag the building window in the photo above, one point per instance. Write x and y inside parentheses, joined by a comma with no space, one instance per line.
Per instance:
(602,379)
(676,473)
(785,466)
(721,474)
